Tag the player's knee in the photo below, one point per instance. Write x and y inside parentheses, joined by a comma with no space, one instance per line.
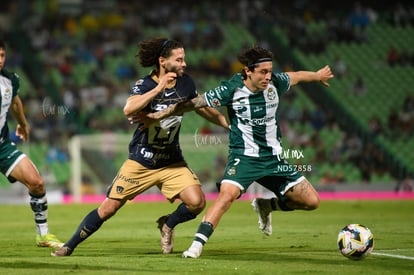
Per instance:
(194,199)
(313,202)
(35,185)
(229,192)
(196,204)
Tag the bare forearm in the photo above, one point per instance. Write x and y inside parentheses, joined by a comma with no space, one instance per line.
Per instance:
(303,76)
(322,75)
(18,112)
(182,107)
(213,116)
(137,102)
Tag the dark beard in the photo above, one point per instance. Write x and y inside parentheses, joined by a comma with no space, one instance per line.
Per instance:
(173,70)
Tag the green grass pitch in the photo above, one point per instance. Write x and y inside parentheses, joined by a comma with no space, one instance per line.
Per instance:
(302,242)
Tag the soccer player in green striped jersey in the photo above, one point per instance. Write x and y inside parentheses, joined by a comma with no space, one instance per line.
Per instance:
(14,164)
(252,99)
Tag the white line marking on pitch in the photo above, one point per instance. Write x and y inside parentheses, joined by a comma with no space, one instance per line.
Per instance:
(393,256)
(396,249)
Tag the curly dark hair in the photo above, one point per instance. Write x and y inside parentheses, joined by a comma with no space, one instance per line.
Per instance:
(150,50)
(251,56)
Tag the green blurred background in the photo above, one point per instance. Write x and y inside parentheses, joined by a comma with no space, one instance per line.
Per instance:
(77,62)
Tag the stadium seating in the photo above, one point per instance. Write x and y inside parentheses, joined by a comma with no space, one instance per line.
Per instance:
(387,86)
(367,60)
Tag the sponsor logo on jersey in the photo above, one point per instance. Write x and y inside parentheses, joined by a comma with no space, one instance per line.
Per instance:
(216,102)
(155,156)
(126,179)
(257,109)
(169,93)
(162,156)
(12,153)
(211,93)
(220,89)
(216,92)
(160,107)
(272,105)
(146,154)
(135,89)
(261,121)
(240,107)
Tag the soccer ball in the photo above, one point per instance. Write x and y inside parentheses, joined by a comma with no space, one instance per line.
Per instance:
(355,241)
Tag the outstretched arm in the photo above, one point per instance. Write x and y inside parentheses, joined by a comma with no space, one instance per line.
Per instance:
(198,103)
(179,108)
(214,116)
(322,75)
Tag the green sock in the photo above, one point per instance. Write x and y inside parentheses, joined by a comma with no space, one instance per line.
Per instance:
(38,203)
(205,230)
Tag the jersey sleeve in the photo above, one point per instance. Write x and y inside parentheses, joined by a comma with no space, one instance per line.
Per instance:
(192,87)
(281,82)
(16,84)
(140,87)
(222,95)
(14,79)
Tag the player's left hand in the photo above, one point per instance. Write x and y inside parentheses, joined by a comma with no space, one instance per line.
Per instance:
(324,74)
(143,118)
(22,132)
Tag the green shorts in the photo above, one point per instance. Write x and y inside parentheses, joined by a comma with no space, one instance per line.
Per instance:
(272,172)
(9,158)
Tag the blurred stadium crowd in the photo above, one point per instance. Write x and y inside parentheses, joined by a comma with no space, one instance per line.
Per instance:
(77,63)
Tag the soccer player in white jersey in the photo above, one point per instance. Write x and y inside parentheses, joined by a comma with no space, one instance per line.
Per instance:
(14,164)
(252,98)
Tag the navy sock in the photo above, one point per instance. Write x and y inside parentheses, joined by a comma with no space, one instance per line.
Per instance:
(90,224)
(205,230)
(181,214)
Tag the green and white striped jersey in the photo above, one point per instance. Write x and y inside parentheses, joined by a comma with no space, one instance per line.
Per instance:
(253,117)
(9,87)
